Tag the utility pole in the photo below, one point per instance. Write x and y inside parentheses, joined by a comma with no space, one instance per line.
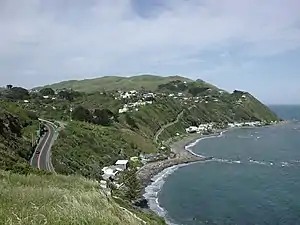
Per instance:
(71,113)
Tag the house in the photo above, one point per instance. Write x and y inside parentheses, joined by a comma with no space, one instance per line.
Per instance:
(121,164)
(191,129)
(109,172)
(103,184)
(45,96)
(123,110)
(148,95)
(26,101)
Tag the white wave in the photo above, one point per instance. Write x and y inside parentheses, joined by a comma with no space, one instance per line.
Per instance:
(152,191)
(260,162)
(189,146)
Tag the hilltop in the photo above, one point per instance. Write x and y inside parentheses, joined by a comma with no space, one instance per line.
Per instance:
(108,83)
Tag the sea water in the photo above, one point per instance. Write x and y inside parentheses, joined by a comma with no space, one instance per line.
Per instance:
(254,178)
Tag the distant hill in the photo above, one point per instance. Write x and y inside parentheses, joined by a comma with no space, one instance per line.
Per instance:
(108,83)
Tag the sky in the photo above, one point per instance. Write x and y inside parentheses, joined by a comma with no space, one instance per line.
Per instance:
(251,45)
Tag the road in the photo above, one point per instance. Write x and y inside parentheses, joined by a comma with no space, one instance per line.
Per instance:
(42,160)
(169,124)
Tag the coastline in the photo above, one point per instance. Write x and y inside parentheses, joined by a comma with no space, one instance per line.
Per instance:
(152,175)
(184,156)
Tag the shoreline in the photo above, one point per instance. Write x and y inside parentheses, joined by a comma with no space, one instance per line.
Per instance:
(152,175)
(183,157)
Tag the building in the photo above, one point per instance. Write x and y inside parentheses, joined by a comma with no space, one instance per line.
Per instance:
(109,172)
(121,164)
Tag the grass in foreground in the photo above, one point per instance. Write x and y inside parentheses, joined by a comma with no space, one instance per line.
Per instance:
(57,200)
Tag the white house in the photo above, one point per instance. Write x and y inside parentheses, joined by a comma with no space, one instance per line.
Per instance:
(109,172)
(121,164)
(123,110)
(148,95)
(191,129)
(45,96)
(26,101)
(103,184)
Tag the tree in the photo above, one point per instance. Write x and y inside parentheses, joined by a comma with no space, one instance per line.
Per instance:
(9,86)
(103,117)
(132,184)
(82,114)
(130,121)
(18,93)
(47,91)
(69,94)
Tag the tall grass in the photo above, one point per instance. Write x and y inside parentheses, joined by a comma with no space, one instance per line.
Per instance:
(56,200)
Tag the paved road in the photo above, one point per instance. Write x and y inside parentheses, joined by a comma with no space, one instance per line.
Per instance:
(42,160)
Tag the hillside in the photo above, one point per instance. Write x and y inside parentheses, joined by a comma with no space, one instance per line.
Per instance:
(55,199)
(108,83)
(62,200)
(16,129)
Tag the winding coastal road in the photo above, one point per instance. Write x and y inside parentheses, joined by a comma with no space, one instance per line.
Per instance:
(41,158)
(169,124)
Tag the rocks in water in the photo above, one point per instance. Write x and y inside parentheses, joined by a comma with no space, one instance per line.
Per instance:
(141,203)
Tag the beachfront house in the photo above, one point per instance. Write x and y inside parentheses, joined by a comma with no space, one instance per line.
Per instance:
(109,172)
(191,129)
(121,165)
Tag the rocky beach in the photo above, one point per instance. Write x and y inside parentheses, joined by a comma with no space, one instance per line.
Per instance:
(182,156)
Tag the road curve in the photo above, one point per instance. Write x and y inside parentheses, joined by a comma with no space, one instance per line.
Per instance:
(156,136)
(42,160)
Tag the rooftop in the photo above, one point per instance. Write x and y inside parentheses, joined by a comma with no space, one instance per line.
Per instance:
(121,162)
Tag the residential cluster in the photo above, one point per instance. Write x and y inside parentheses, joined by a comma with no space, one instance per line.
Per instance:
(138,98)
(201,128)
(209,127)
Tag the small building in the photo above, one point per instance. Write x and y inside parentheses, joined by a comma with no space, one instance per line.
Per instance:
(26,101)
(109,172)
(121,164)
(45,96)
(103,184)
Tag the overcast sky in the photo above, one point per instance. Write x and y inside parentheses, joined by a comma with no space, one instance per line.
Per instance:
(251,45)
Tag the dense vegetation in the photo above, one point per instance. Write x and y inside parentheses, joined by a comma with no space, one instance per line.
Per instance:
(17,135)
(84,148)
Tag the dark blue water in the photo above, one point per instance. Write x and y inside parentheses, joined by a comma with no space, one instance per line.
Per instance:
(254,179)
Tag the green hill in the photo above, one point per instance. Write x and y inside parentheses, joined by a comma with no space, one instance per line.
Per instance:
(108,83)
(31,197)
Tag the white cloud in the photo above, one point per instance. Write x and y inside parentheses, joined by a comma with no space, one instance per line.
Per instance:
(65,38)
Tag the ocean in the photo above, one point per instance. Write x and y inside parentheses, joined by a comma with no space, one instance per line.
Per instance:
(253,178)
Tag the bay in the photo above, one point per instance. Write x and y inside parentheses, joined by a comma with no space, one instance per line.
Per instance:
(253,179)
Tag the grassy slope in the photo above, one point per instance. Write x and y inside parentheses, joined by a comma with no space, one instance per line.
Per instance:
(149,82)
(85,148)
(59,200)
